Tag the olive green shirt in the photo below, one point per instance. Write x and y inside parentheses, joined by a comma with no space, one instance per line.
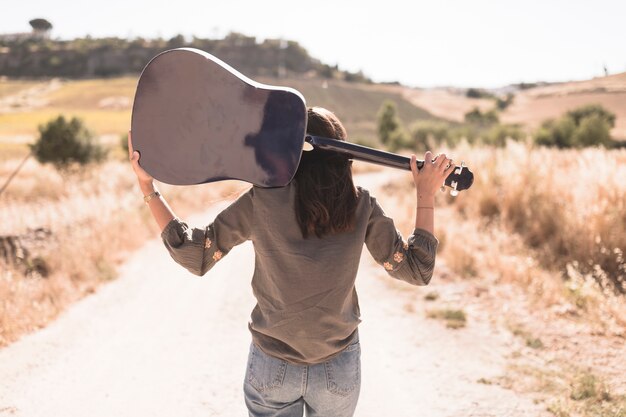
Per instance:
(307,308)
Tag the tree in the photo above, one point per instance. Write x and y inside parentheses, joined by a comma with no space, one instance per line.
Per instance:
(62,143)
(40,25)
(388,122)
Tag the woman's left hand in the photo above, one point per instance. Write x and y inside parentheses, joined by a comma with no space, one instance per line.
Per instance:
(142,176)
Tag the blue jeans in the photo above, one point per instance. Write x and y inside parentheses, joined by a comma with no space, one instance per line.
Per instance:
(275,388)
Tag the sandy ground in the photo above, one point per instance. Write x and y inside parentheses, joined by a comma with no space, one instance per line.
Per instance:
(161,342)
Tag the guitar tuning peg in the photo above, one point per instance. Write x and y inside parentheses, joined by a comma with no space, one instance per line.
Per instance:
(454,192)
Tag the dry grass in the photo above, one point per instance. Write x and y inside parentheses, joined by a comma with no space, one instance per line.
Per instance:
(568,207)
(567,390)
(95,93)
(96,217)
(10,87)
(553,222)
(12,151)
(100,122)
(455,319)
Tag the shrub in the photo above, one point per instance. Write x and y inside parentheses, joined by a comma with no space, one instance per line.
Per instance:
(585,126)
(592,110)
(556,133)
(428,135)
(479,118)
(400,140)
(63,143)
(593,130)
(503,103)
(498,134)
(478,93)
(123,141)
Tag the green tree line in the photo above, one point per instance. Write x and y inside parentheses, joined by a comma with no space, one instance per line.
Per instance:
(107,57)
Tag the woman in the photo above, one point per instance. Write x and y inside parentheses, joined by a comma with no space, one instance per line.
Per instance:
(307,237)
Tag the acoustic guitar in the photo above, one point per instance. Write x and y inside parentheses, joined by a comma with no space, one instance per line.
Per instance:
(195,120)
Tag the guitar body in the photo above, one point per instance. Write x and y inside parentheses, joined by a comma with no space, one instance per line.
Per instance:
(197,120)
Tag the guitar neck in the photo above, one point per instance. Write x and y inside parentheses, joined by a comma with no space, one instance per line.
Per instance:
(363,153)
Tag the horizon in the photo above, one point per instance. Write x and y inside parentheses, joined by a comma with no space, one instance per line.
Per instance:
(489,46)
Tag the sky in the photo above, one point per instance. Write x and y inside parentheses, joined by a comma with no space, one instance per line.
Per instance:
(463,43)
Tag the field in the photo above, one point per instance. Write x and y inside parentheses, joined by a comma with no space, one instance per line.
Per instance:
(537,244)
(105,105)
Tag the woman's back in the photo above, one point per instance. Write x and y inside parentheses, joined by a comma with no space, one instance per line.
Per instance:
(307,308)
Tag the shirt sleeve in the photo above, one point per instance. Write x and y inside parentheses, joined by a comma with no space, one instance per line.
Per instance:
(198,249)
(412,261)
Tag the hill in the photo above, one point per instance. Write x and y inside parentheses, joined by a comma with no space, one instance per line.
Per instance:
(531,106)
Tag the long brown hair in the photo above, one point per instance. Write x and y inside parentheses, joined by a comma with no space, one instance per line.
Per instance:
(326,197)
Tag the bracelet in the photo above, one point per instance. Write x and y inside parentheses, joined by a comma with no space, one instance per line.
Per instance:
(150,196)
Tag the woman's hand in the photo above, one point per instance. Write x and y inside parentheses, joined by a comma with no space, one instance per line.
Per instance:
(432,175)
(145,179)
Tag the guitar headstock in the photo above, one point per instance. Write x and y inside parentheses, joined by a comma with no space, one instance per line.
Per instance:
(460,179)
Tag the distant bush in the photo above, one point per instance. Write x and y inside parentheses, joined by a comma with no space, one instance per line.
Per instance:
(498,134)
(63,142)
(478,93)
(477,117)
(592,110)
(503,102)
(526,86)
(123,141)
(585,126)
(400,140)
(428,135)
(355,77)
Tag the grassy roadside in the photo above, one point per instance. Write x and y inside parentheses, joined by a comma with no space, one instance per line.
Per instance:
(95,218)
(511,244)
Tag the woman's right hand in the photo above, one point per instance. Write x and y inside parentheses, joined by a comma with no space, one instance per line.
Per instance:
(142,176)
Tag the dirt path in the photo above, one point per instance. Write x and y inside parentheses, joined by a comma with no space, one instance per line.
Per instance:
(161,342)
